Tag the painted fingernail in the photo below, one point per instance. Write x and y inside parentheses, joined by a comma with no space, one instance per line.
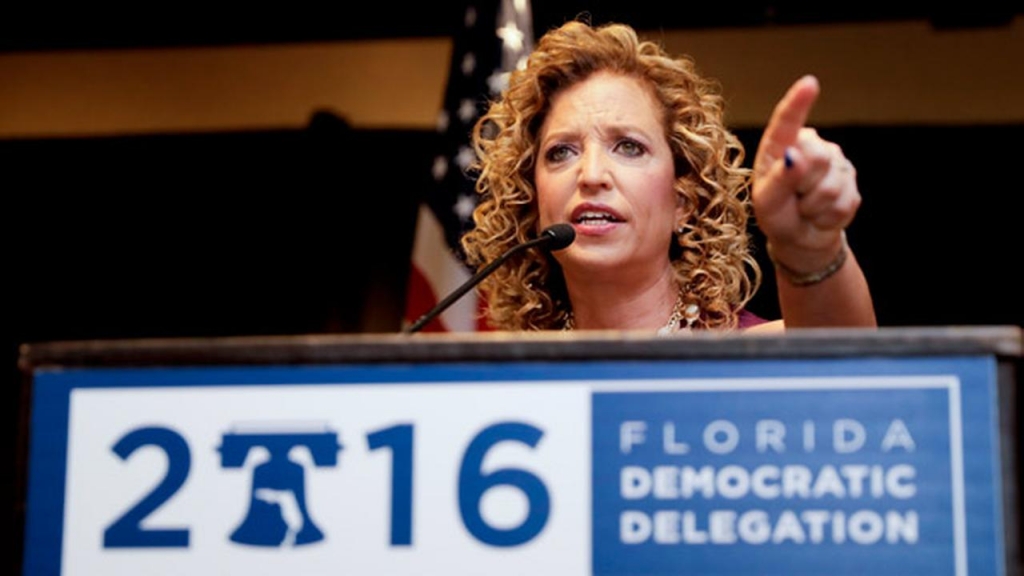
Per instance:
(789,159)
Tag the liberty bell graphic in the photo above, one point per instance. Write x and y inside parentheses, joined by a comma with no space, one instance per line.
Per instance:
(277,513)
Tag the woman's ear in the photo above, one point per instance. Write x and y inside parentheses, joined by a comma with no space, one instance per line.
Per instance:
(682,213)
(684,207)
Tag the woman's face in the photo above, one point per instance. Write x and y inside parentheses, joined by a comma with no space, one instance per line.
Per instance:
(605,166)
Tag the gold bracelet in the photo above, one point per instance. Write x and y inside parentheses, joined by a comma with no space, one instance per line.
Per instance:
(810,278)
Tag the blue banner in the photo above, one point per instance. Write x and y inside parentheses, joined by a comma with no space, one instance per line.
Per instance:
(826,466)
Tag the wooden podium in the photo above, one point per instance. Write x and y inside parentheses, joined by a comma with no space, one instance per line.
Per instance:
(890,451)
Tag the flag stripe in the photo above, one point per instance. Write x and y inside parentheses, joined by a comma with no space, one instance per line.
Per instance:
(435,274)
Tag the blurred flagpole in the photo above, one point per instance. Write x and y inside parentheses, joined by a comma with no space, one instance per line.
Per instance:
(494,37)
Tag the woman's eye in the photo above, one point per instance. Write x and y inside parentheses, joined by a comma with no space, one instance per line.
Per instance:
(557,153)
(630,148)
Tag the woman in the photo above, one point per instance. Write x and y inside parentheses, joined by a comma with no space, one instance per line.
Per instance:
(628,145)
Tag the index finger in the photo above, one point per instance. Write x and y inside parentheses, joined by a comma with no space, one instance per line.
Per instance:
(789,116)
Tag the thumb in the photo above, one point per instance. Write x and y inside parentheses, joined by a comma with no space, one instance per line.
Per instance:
(777,187)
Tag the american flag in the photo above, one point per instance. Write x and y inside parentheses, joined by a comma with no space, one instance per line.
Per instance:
(494,38)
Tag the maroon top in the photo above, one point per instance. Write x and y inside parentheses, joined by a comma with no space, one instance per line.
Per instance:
(748,319)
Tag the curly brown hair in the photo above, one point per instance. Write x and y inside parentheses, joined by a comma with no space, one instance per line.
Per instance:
(711,257)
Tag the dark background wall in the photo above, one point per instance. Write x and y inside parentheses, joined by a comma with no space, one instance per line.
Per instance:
(309,229)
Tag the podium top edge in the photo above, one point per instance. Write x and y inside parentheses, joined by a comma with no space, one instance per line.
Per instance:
(1000,341)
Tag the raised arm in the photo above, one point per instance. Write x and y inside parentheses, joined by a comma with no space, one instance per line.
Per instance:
(804,196)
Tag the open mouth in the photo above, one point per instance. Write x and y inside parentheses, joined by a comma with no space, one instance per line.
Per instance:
(590,218)
(591,215)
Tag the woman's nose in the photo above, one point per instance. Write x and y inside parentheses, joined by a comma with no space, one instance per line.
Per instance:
(594,169)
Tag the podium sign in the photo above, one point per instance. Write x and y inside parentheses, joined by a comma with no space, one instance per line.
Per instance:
(520,463)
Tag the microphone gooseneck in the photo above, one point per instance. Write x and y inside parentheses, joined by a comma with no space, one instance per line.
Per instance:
(554,237)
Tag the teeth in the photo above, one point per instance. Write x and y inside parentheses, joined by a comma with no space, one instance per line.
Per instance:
(595,216)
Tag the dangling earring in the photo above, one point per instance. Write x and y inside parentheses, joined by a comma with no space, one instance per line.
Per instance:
(690,314)
(691,311)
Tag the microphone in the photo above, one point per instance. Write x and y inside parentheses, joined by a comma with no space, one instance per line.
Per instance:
(554,237)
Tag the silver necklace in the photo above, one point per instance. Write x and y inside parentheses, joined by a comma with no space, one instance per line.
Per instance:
(680,311)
